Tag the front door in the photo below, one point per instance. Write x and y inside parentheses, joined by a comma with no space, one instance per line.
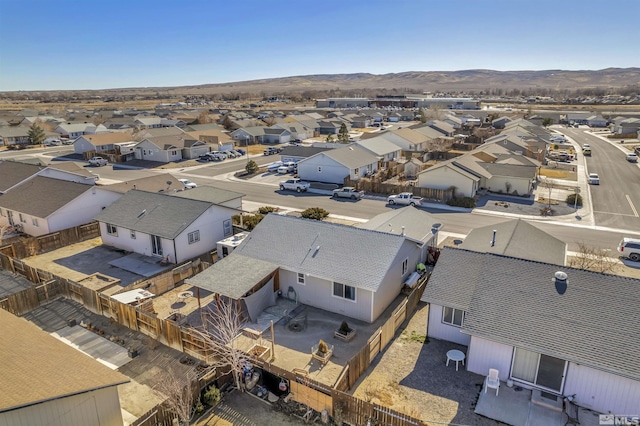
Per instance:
(538,369)
(156,245)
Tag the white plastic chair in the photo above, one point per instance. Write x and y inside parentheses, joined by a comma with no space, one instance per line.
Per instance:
(492,381)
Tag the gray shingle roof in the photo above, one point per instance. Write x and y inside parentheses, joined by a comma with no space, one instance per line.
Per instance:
(511,170)
(42,196)
(232,276)
(379,146)
(351,156)
(209,194)
(13,172)
(302,151)
(164,215)
(515,302)
(517,238)
(352,256)
(417,223)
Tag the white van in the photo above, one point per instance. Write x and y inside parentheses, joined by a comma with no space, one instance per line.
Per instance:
(630,248)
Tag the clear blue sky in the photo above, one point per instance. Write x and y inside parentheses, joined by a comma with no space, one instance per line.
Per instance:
(97,44)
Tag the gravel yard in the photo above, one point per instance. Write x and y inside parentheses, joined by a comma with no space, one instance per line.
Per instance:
(411,377)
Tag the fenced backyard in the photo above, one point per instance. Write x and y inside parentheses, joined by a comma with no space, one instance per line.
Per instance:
(305,390)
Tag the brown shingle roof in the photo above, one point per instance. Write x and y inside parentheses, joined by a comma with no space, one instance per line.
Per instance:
(37,367)
(13,172)
(108,138)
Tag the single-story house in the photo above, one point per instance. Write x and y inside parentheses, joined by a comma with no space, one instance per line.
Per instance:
(442,126)
(14,173)
(163,149)
(298,153)
(561,330)
(73,389)
(75,130)
(297,130)
(628,125)
(100,143)
(14,135)
(322,264)
(500,122)
(334,165)
(260,134)
(171,228)
(382,148)
(449,174)
(42,205)
(597,121)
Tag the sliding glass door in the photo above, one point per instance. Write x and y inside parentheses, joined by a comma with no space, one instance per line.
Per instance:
(538,369)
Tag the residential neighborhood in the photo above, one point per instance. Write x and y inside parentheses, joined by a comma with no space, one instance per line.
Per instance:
(240,214)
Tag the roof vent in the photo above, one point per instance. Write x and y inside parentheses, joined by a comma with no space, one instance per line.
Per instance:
(560,279)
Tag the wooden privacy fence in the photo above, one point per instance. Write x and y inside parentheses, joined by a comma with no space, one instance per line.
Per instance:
(380,339)
(31,246)
(375,187)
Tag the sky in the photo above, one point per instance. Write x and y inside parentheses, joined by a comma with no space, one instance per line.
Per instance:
(101,44)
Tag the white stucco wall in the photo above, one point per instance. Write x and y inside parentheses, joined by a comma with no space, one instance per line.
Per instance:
(484,354)
(96,408)
(499,183)
(601,391)
(140,244)
(81,145)
(445,178)
(439,330)
(82,209)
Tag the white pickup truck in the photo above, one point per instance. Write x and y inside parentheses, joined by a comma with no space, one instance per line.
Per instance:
(405,198)
(98,161)
(295,185)
(347,192)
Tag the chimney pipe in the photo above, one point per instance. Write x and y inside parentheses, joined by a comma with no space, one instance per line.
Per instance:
(493,240)
(403,231)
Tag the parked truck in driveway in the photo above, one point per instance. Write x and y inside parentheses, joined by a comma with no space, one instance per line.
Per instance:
(294,185)
(347,192)
(98,161)
(405,199)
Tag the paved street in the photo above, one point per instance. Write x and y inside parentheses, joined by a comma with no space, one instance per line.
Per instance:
(616,201)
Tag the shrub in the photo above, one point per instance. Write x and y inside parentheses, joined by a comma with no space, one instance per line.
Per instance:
(323,348)
(466,202)
(251,167)
(212,395)
(316,213)
(248,221)
(264,210)
(571,200)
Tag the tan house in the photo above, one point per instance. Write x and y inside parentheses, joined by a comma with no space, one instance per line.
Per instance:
(43,378)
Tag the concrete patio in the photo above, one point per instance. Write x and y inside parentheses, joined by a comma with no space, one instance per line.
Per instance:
(514,406)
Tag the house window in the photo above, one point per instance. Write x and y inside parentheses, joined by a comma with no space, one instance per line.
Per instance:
(133,234)
(112,230)
(319,169)
(194,237)
(344,291)
(156,245)
(174,152)
(405,265)
(356,171)
(300,278)
(34,221)
(453,316)
(22,219)
(227,228)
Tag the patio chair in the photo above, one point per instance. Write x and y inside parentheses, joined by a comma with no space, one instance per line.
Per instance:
(492,381)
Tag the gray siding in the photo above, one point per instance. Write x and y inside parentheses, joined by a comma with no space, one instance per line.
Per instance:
(331,171)
(442,331)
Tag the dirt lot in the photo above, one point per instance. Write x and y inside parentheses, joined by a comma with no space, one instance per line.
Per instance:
(411,377)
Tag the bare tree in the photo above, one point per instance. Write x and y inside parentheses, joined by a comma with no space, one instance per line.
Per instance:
(222,324)
(593,259)
(179,394)
(548,184)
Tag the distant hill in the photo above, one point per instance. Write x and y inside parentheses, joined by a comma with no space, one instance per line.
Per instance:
(420,81)
(398,83)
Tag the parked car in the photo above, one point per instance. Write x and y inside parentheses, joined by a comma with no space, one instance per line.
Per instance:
(241,151)
(347,192)
(295,185)
(271,150)
(594,179)
(632,157)
(405,198)
(237,153)
(98,161)
(273,167)
(219,154)
(630,248)
(230,154)
(188,184)
(287,167)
